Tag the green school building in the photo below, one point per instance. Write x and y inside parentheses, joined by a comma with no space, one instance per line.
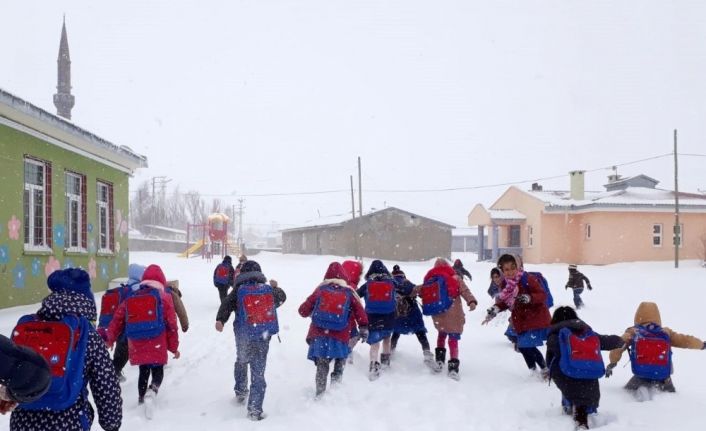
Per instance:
(63,201)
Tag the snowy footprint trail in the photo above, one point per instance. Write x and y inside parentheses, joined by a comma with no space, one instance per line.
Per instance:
(495,391)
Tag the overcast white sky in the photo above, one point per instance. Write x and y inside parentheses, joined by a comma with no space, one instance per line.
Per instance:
(273,96)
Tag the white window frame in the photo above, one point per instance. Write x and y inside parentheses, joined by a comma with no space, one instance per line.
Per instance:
(72,197)
(106,206)
(530,236)
(31,188)
(587,231)
(681,236)
(659,235)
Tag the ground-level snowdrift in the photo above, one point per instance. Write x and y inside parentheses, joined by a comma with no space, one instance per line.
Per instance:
(496,391)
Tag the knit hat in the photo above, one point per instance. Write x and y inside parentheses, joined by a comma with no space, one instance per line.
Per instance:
(250,266)
(458,263)
(572,267)
(562,314)
(377,267)
(227,259)
(396,270)
(243,258)
(135,273)
(335,270)
(71,280)
(440,261)
(154,273)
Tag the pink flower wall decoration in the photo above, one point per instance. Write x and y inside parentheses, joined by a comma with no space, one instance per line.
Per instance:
(51,266)
(92,268)
(13,226)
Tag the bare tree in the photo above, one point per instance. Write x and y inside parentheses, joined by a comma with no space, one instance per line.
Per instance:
(195,206)
(216,205)
(175,210)
(141,207)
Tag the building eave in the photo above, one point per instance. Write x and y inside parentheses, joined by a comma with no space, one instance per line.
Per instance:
(26,117)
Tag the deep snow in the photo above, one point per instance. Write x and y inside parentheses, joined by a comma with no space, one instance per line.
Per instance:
(496,391)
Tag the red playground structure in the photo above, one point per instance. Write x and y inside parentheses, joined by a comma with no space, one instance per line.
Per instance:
(213,237)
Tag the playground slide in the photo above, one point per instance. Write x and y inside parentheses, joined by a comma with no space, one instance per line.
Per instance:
(193,249)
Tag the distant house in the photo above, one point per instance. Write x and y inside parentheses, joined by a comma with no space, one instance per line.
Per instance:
(390,233)
(163,232)
(64,201)
(632,220)
(464,240)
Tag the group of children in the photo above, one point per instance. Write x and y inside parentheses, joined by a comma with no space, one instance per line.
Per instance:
(573,359)
(140,317)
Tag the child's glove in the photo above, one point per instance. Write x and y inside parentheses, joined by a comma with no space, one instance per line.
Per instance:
(274,283)
(704,346)
(609,369)
(523,299)
(491,313)
(363,333)
(589,287)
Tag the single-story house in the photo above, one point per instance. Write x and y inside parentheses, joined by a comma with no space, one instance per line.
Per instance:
(631,220)
(64,201)
(390,233)
(464,240)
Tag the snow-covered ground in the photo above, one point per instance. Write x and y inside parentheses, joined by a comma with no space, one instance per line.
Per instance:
(496,391)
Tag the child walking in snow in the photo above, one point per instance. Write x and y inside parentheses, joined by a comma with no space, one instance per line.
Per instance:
(333,307)
(254,303)
(575,363)
(649,345)
(148,319)
(353,269)
(449,322)
(530,318)
(409,317)
(67,406)
(575,282)
(380,305)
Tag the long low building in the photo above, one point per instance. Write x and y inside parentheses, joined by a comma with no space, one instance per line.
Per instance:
(390,233)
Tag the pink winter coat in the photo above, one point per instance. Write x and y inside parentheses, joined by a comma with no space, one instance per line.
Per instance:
(152,351)
(357,313)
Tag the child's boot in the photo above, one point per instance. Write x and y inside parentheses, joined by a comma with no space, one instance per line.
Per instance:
(385,361)
(440,359)
(428,358)
(581,418)
(454,365)
(374,372)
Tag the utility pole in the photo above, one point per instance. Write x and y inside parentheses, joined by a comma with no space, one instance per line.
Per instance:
(240,224)
(677,226)
(352,198)
(360,191)
(162,181)
(355,233)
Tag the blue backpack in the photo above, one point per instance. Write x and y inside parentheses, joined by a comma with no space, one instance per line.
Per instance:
(63,344)
(580,354)
(651,353)
(380,297)
(144,316)
(435,296)
(257,313)
(542,282)
(332,309)
(109,304)
(221,276)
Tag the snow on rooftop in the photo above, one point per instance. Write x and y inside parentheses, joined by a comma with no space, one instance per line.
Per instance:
(631,196)
(506,215)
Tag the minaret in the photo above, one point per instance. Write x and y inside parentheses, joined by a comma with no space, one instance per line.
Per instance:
(63,99)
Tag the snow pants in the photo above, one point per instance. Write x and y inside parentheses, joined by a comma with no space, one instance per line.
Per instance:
(252,353)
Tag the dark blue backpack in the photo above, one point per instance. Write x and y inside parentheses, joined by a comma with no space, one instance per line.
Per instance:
(63,344)
(435,296)
(221,276)
(651,353)
(257,313)
(580,354)
(542,282)
(332,309)
(144,314)
(380,297)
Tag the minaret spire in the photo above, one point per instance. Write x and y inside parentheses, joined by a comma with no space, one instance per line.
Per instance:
(63,99)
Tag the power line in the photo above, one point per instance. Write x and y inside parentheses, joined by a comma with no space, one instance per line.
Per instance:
(692,155)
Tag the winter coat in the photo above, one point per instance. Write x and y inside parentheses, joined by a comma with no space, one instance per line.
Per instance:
(576,280)
(533,315)
(99,374)
(179,308)
(493,290)
(378,322)
(357,313)
(23,372)
(580,392)
(230,303)
(453,320)
(412,320)
(151,351)
(231,273)
(648,312)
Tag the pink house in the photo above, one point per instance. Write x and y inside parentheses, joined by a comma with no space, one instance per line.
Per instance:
(632,220)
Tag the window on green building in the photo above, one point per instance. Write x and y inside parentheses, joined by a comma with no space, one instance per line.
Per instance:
(37,205)
(104,202)
(75,211)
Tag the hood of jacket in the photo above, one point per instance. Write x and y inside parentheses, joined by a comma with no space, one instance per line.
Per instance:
(250,277)
(575,325)
(376,270)
(647,312)
(58,304)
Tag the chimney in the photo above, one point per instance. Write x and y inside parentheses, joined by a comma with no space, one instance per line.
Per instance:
(577,187)
(613,178)
(536,187)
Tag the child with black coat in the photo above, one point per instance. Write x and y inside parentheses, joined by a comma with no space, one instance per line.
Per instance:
(581,395)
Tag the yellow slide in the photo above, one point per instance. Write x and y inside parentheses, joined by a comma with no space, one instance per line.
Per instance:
(193,249)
